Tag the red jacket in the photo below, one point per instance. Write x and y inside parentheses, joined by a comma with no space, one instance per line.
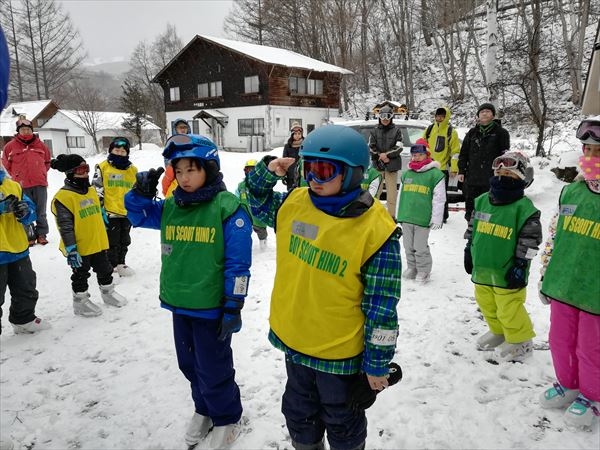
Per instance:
(27,163)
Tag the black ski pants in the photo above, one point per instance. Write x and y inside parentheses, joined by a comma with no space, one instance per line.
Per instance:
(21,280)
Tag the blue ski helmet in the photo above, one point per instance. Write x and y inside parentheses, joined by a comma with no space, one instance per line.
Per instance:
(191,146)
(343,144)
(339,143)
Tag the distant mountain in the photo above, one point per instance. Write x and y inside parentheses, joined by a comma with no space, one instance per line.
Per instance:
(116,68)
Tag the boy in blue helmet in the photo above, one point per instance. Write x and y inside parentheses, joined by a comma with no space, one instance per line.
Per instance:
(337,284)
(201,221)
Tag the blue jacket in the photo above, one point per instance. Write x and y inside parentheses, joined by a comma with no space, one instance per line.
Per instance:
(146,213)
(7,257)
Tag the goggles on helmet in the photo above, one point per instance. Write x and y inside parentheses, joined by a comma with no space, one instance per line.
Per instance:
(386,116)
(589,129)
(122,143)
(506,162)
(81,169)
(418,148)
(320,170)
(183,142)
(24,123)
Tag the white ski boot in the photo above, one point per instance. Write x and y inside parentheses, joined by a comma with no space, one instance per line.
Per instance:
(112,297)
(124,270)
(197,429)
(224,436)
(558,396)
(83,306)
(410,273)
(489,341)
(35,325)
(514,352)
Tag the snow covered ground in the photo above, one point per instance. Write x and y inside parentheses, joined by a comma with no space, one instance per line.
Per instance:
(112,382)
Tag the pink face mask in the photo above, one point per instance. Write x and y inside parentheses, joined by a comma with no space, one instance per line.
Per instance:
(590,167)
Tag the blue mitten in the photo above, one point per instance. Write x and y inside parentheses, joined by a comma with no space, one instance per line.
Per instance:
(516,274)
(73,257)
(232,320)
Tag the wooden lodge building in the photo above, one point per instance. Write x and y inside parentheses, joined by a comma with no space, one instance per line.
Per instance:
(246,96)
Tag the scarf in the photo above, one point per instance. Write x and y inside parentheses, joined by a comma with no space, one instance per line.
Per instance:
(505,190)
(79,185)
(26,141)
(335,205)
(418,165)
(118,161)
(203,194)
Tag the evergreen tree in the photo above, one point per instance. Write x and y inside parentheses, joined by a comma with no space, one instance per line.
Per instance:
(135,104)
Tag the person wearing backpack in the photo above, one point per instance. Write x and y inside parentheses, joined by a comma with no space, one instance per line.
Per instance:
(445,146)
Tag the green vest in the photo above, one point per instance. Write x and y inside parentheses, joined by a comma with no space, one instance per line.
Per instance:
(371,174)
(576,244)
(416,197)
(193,255)
(496,230)
(243,191)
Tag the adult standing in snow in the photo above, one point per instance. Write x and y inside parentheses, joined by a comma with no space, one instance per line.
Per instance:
(27,160)
(482,144)
(444,145)
(291,150)
(333,305)
(571,285)
(200,222)
(385,146)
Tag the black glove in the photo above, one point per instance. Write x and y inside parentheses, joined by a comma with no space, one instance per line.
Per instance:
(360,394)
(516,274)
(232,320)
(7,205)
(468,261)
(146,182)
(20,209)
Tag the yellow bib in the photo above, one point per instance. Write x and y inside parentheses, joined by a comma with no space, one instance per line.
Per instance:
(90,232)
(116,183)
(316,300)
(13,238)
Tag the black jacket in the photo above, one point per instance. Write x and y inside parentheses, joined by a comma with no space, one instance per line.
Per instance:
(383,140)
(479,150)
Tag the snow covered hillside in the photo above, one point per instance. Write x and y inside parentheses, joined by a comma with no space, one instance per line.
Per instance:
(112,382)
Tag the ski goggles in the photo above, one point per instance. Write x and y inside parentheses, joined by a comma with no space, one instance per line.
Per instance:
(24,123)
(386,116)
(418,148)
(505,162)
(588,129)
(321,170)
(121,143)
(81,169)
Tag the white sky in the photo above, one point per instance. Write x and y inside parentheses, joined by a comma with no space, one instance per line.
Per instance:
(110,29)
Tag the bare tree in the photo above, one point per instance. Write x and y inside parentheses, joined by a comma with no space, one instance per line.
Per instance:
(135,103)
(492,49)
(7,22)
(89,102)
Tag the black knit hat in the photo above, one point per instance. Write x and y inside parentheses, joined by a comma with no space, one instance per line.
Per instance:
(66,163)
(489,106)
(121,142)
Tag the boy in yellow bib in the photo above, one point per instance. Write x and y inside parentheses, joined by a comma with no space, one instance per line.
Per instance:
(16,272)
(503,235)
(84,242)
(337,285)
(113,178)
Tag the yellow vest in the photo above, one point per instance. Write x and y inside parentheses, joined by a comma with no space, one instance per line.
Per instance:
(13,238)
(116,183)
(316,299)
(90,233)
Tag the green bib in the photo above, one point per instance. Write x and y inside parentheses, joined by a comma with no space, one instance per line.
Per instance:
(496,230)
(415,203)
(243,190)
(576,244)
(193,255)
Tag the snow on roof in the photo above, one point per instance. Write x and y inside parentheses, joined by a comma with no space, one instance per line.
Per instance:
(9,116)
(279,56)
(107,120)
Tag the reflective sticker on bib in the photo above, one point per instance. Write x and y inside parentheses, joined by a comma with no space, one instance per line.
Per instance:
(241,286)
(384,337)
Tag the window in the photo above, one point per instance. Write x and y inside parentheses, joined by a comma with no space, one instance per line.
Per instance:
(251,127)
(203,90)
(298,85)
(216,89)
(75,142)
(251,84)
(315,87)
(195,128)
(174,94)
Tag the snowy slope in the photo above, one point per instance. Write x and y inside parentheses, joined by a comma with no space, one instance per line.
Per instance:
(112,382)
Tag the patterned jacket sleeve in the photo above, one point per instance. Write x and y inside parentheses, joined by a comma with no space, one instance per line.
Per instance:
(530,237)
(381,279)
(98,184)
(549,245)
(264,202)
(31,216)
